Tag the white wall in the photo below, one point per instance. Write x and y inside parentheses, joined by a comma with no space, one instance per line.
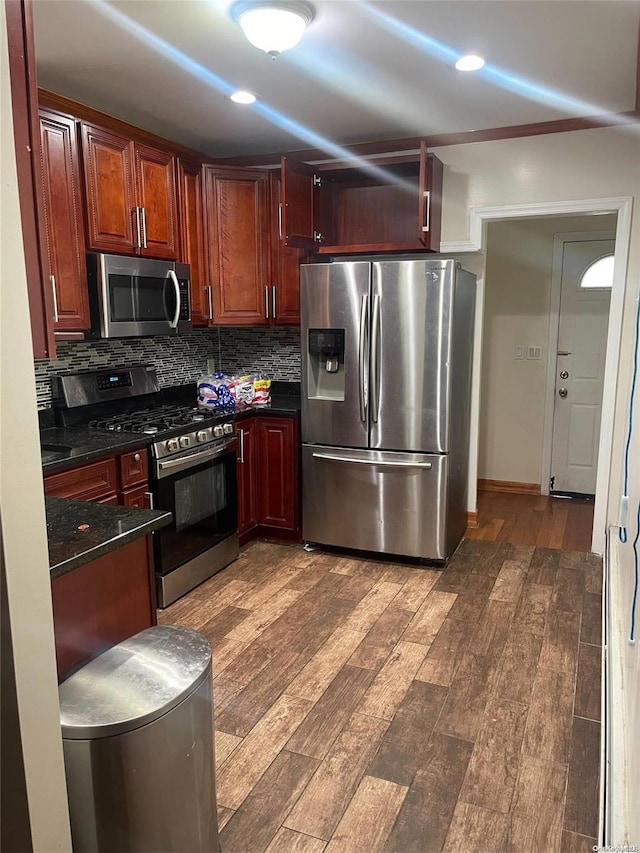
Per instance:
(599,163)
(519,263)
(24,536)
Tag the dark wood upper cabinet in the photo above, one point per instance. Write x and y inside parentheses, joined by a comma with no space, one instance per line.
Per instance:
(109,182)
(430,199)
(237,236)
(387,205)
(156,195)
(278,472)
(24,106)
(64,221)
(285,265)
(131,199)
(192,239)
(300,183)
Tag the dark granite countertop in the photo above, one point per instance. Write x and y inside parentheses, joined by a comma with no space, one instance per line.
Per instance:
(279,407)
(66,448)
(285,401)
(110,527)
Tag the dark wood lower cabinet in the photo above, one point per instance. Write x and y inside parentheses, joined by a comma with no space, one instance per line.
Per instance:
(247,477)
(102,603)
(136,497)
(268,478)
(278,474)
(117,480)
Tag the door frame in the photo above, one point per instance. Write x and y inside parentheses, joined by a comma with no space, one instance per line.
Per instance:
(479,219)
(559,242)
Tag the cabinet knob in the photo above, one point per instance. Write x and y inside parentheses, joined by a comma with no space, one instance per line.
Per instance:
(137,457)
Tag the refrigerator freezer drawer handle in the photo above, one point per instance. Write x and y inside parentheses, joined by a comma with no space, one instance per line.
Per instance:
(362,374)
(424,465)
(375,360)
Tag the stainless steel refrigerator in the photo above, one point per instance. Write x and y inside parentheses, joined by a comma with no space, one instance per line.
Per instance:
(386,396)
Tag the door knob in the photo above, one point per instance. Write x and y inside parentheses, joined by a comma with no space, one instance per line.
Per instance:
(562,392)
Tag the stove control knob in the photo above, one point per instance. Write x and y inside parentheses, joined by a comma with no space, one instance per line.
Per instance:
(218,431)
(172,444)
(202,435)
(185,440)
(228,429)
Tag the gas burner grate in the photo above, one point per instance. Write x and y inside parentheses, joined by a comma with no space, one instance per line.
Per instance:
(154,420)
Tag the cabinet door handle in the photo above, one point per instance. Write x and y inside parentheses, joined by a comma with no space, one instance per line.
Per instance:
(138,232)
(266,302)
(136,457)
(210,297)
(427,207)
(241,431)
(144,227)
(149,496)
(273,301)
(52,281)
(280,220)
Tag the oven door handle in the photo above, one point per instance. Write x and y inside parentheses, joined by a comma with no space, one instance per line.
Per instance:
(194,459)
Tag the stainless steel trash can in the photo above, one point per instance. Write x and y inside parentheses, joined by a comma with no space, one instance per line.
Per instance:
(137,729)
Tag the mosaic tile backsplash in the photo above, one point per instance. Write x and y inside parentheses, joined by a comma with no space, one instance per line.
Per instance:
(274,352)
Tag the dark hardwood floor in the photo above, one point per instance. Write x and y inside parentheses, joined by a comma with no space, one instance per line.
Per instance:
(534,520)
(368,706)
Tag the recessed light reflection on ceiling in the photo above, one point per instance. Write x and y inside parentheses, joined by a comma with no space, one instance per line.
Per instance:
(278,119)
(499,77)
(470,62)
(241,97)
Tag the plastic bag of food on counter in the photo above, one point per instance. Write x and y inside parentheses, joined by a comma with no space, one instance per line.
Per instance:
(250,390)
(262,391)
(214,392)
(242,392)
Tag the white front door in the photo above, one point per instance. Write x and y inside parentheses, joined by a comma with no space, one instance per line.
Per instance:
(582,343)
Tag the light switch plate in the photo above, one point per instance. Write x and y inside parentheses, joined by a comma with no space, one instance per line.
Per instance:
(519,352)
(534,353)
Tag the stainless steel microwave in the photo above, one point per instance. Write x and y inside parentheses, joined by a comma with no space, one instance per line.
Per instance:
(138,297)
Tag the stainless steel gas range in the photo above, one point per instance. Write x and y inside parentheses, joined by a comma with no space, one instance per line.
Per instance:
(192,467)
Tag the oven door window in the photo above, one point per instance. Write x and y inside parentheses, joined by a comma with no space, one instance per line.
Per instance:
(133,299)
(203,501)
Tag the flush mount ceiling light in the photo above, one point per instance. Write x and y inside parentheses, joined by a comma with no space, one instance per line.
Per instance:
(242,97)
(470,62)
(273,26)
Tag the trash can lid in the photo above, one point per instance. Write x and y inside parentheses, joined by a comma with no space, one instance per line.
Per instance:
(133,683)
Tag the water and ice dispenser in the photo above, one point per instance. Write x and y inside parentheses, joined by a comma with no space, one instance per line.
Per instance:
(326,364)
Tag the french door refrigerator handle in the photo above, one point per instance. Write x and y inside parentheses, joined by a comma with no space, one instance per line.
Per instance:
(388,464)
(364,322)
(375,360)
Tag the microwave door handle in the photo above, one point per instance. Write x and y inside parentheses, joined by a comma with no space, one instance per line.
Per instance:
(176,284)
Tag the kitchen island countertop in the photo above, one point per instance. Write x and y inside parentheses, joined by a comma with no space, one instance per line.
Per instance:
(80,531)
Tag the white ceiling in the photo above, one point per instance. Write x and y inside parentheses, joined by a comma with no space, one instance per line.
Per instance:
(363,71)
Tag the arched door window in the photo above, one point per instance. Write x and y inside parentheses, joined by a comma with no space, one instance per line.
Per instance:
(598,275)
